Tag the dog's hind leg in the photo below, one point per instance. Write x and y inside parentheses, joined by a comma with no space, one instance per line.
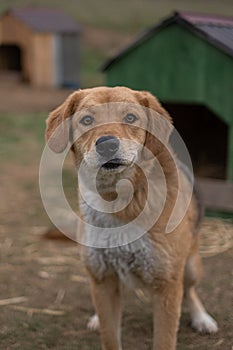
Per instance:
(93,323)
(201,321)
(106,295)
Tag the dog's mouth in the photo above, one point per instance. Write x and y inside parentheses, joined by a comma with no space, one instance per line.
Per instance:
(114,164)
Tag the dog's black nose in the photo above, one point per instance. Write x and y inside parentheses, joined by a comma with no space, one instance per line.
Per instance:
(107,146)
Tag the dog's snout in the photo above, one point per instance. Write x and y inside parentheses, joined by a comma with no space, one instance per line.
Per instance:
(107,146)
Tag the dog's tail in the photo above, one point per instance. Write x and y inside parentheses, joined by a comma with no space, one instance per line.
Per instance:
(54,234)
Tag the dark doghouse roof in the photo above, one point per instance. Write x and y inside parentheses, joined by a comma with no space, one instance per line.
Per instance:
(45,19)
(217,30)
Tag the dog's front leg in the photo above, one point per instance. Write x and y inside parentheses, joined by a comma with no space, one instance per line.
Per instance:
(106,296)
(167,309)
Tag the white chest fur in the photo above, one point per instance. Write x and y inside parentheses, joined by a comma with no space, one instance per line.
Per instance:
(136,263)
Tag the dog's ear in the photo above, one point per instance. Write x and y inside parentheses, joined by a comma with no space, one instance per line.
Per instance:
(57,128)
(159,121)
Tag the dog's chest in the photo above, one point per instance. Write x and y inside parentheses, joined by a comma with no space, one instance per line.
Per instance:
(137,263)
(140,260)
(132,262)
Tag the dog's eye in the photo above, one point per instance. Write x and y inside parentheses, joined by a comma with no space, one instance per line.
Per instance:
(87,120)
(130,118)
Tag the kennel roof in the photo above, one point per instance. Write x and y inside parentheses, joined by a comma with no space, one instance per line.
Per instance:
(45,19)
(217,30)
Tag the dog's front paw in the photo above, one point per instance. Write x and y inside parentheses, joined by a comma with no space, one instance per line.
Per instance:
(204,323)
(93,323)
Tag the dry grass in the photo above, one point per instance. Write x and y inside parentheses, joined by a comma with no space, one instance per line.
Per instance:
(216,236)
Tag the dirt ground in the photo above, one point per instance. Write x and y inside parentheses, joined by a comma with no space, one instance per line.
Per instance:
(56,304)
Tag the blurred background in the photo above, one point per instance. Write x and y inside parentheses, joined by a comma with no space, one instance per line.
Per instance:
(182,51)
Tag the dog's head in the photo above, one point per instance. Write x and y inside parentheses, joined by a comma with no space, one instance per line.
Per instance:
(109,126)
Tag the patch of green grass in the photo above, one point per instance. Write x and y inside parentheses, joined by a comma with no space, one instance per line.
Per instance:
(224,215)
(21,136)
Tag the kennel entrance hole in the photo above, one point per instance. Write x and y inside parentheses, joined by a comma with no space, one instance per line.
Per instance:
(205,136)
(10,58)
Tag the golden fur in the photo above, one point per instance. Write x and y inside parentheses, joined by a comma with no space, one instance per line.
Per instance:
(172,263)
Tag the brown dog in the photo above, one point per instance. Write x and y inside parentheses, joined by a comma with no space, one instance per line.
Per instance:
(111,127)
